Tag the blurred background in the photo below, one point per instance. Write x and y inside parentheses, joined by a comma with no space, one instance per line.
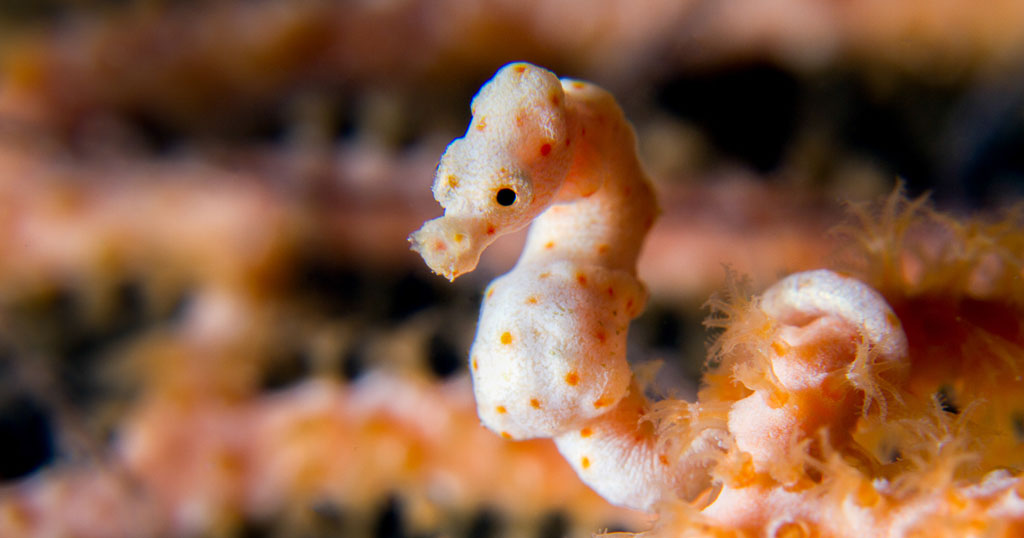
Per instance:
(210,322)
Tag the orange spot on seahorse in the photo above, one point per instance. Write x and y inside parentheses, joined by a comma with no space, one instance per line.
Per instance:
(506,435)
(581,277)
(491,229)
(506,338)
(520,69)
(602,248)
(481,124)
(586,432)
(535,403)
(585,462)
(549,245)
(601,336)
(531,299)
(501,409)
(545,150)
(572,378)
(601,402)
(578,85)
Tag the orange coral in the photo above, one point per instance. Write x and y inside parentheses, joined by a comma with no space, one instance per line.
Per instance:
(935,446)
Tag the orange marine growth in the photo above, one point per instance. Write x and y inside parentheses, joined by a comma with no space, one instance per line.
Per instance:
(913,427)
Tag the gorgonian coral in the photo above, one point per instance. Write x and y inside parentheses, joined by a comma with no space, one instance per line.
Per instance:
(880,399)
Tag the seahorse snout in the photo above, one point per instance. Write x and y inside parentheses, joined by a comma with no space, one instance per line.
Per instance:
(450,246)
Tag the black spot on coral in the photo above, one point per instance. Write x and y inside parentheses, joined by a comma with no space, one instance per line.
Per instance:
(944,398)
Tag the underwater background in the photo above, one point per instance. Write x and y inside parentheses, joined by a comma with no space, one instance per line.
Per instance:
(210,321)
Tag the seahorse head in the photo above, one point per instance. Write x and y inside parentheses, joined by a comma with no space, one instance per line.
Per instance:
(503,173)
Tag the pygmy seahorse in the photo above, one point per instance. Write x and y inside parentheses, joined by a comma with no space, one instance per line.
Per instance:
(549,359)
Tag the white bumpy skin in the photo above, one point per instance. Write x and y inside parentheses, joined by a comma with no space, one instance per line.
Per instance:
(549,359)
(502,174)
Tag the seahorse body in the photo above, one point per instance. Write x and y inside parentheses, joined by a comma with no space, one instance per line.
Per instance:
(550,350)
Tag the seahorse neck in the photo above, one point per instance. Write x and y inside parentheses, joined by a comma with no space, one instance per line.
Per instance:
(608,226)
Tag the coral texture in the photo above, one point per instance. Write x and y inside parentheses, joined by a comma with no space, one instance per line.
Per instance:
(884,400)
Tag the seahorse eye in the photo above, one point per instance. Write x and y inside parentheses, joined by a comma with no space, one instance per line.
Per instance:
(505,197)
